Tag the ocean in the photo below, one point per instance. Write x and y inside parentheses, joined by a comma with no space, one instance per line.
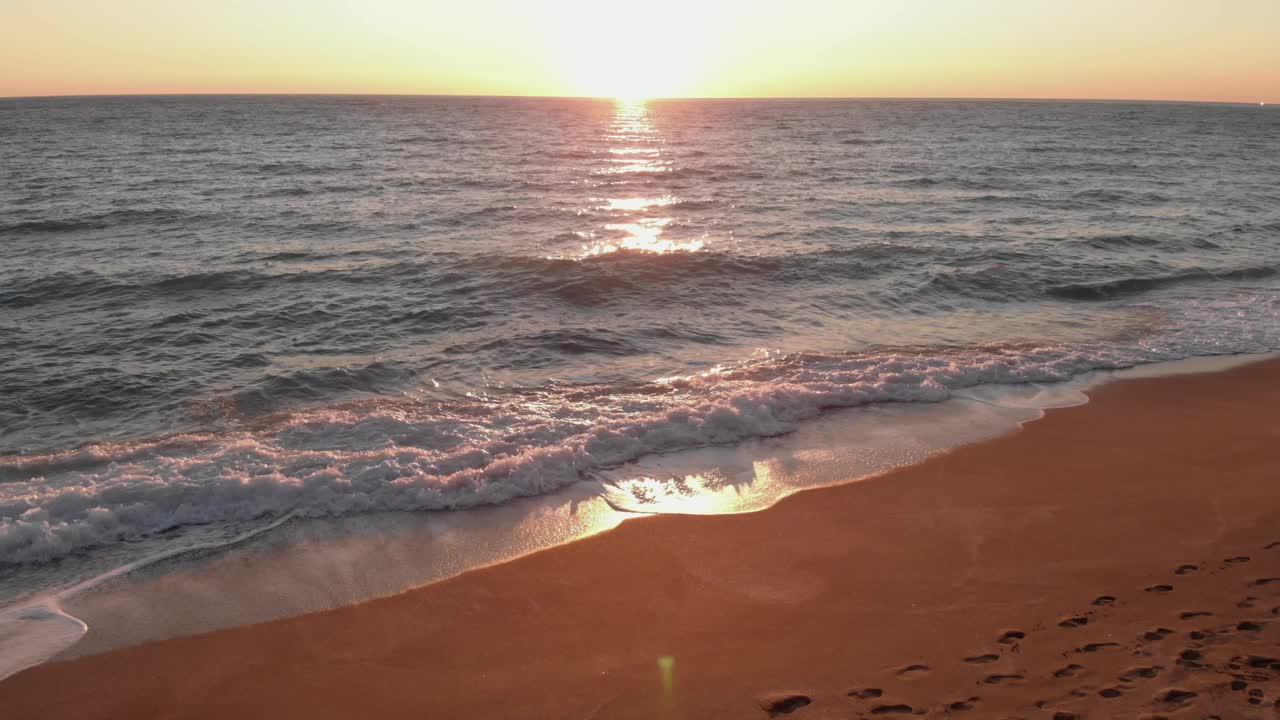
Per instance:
(220,313)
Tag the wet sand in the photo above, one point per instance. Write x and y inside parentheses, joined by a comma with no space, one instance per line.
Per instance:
(1119,558)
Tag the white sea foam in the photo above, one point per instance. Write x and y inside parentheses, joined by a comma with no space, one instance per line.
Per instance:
(708,479)
(434,456)
(429,457)
(36,629)
(310,561)
(31,633)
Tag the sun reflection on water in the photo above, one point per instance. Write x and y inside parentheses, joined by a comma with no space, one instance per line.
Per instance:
(636,222)
(643,236)
(639,203)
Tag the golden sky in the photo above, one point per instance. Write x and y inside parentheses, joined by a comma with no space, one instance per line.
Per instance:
(1137,49)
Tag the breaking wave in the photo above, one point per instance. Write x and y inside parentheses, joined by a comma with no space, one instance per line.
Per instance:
(1108,289)
(403,454)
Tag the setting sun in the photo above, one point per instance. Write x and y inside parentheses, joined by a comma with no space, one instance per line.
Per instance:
(633,51)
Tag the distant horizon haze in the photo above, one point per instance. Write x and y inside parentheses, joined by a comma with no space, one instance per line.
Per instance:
(1178,51)
(677,98)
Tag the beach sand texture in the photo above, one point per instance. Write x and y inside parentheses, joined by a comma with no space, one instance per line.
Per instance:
(1117,559)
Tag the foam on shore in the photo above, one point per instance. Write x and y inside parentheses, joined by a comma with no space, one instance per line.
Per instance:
(319,563)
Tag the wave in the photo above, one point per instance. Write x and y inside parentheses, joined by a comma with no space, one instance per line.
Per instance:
(56,286)
(215,280)
(1114,242)
(488,277)
(1083,200)
(282,390)
(422,139)
(90,284)
(548,348)
(255,257)
(284,256)
(438,455)
(694,204)
(1110,289)
(995,277)
(99,221)
(597,279)
(283,192)
(1108,196)
(960,183)
(478,285)
(298,191)
(291,168)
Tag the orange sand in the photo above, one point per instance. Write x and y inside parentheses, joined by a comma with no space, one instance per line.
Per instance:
(831,591)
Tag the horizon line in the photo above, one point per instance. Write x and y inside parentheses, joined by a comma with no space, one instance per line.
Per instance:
(614,98)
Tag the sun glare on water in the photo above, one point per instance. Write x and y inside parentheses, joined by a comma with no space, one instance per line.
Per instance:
(644,236)
(630,216)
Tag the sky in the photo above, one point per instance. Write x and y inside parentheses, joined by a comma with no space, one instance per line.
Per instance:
(1213,50)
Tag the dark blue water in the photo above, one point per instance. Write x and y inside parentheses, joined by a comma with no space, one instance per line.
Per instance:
(223,309)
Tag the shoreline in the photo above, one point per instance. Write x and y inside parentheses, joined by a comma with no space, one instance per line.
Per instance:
(802,598)
(309,560)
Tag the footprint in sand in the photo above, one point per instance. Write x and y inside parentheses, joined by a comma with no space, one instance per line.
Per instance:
(1147,672)
(1262,661)
(1110,692)
(866,693)
(1176,696)
(1095,647)
(1009,637)
(1190,658)
(783,703)
(1068,671)
(892,709)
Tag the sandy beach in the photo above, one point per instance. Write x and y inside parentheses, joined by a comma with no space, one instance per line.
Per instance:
(1117,559)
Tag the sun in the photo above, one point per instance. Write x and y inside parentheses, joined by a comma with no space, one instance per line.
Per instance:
(636,76)
(631,50)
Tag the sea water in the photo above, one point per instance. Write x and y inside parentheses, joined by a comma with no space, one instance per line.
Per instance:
(226,318)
